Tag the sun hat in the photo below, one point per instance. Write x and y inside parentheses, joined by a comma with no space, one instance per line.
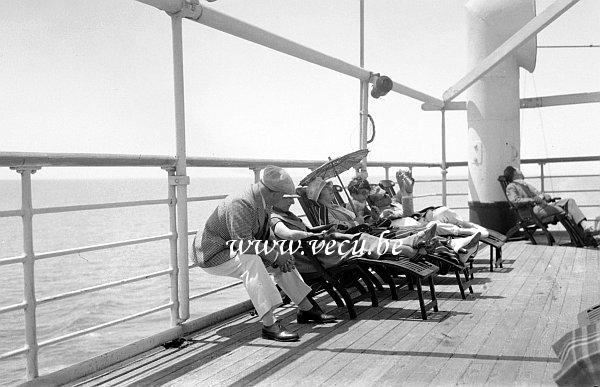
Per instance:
(277,179)
(314,188)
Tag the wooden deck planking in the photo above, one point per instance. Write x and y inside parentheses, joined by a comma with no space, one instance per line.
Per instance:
(531,372)
(500,335)
(476,333)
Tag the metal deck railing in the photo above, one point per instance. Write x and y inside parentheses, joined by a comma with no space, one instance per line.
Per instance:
(27,163)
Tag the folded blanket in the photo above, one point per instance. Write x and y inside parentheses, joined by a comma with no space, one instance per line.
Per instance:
(579,354)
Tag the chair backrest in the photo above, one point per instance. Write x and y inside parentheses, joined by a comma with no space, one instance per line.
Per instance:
(337,194)
(315,213)
(504,184)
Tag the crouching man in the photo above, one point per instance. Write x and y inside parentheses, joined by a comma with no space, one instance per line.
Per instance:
(240,221)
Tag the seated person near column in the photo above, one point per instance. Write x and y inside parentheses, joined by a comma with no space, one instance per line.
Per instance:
(244,217)
(518,191)
(285,225)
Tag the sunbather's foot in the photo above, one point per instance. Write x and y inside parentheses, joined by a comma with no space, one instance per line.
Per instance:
(423,238)
(466,247)
(589,227)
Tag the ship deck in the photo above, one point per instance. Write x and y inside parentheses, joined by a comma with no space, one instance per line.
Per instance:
(500,335)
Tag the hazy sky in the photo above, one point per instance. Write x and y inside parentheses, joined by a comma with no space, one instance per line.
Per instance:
(96,77)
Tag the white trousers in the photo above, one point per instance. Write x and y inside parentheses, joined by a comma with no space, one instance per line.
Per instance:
(259,285)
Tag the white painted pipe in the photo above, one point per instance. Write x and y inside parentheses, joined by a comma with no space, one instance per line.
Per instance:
(29,274)
(173,259)
(246,31)
(180,170)
(493,101)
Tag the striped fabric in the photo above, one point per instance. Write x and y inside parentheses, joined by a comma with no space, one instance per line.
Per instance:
(579,354)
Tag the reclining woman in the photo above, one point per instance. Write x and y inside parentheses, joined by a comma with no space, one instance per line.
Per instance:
(320,191)
(285,225)
(518,191)
(447,221)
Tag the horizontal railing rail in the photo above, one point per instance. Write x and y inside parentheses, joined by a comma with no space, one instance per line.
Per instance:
(33,161)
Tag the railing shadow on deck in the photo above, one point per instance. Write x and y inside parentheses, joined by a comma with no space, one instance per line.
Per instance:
(244,334)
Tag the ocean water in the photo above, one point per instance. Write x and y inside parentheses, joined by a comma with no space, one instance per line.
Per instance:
(67,273)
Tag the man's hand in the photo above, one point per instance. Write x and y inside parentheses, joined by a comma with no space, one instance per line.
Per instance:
(538,200)
(285,262)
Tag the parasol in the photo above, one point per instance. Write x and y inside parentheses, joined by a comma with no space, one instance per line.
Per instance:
(334,167)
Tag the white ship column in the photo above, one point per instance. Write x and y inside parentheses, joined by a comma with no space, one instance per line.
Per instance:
(493,105)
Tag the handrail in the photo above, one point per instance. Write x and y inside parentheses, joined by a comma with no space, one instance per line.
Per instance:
(99,206)
(103,286)
(24,162)
(58,253)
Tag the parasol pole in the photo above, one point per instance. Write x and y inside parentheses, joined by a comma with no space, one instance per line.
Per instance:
(344,188)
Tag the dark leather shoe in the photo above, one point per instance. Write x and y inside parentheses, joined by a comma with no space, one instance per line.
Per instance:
(314,315)
(277,332)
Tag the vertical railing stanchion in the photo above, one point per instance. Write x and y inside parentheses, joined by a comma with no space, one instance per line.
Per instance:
(180,180)
(173,265)
(29,272)
(542,186)
(387,172)
(256,171)
(364,92)
(444,168)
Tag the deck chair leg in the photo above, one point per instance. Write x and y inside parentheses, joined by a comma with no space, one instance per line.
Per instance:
(460,284)
(467,275)
(372,278)
(385,276)
(491,259)
(549,236)
(336,297)
(409,282)
(513,230)
(358,286)
(312,301)
(433,297)
(374,299)
(499,256)
(530,235)
(347,299)
(421,301)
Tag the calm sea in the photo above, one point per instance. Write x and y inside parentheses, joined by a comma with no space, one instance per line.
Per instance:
(62,274)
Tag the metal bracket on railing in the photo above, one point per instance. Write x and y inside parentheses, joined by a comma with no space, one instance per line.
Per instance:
(21,169)
(179,180)
(191,9)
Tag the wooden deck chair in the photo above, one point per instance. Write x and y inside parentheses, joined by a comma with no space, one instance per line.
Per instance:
(529,222)
(415,272)
(449,263)
(335,280)
(495,239)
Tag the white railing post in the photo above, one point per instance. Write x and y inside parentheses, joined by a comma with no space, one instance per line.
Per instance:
(180,179)
(256,171)
(542,186)
(173,265)
(29,272)
(387,172)
(364,92)
(444,168)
